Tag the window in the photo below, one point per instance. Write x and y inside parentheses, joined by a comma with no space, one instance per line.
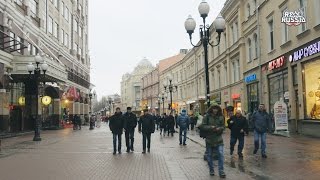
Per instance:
(255,4)
(34,50)
(303,8)
(316,10)
(55,30)
(80,51)
(248,11)
(249,50)
(255,38)
(225,41)
(238,69)
(234,73)
(50,25)
(66,14)
(271,42)
(212,79)
(285,33)
(75,47)
(236,30)
(34,8)
(62,37)
(225,74)
(56,3)
(62,8)
(233,37)
(66,40)
(75,26)
(12,37)
(80,31)
(218,47)
(18,45)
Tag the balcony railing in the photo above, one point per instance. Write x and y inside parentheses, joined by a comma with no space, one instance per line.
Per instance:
(77,79)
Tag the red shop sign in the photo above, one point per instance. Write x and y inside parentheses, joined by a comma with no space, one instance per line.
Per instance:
(235,96)
(277,63)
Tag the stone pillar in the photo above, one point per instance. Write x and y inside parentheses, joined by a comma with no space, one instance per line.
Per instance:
(86,109)
(81,108)
(76,108)
(56,107)
(300,90)
(71,108)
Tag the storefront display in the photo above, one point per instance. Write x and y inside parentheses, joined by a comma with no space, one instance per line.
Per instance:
(312,89)
(278,86)
(252,92)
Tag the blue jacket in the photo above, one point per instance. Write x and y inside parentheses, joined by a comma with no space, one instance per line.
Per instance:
(261,121)
(183,120)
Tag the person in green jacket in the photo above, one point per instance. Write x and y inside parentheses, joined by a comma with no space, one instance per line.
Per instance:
(213,125)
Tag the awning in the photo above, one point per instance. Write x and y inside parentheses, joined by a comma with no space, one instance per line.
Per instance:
(191,101)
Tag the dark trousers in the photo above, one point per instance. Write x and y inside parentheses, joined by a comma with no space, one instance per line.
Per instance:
(233,141)
(192,126)
(115,137)
(171,130)
(146,137)
(129,134)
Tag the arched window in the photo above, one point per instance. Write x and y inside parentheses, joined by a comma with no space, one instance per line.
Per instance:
(255,39)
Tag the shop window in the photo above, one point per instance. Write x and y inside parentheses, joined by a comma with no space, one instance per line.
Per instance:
(252,92)
(312,89)
(278,86)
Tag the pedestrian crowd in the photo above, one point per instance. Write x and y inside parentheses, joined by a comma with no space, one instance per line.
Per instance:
(210,127)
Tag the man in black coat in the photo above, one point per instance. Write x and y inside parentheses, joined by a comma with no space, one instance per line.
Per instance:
(130,123)
(238,125)
(170,124)
(147,127)
(116,126)
(163,124)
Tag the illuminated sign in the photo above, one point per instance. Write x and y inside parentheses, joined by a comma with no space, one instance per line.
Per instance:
(305,52)
(250,78)
(293,18)
(46,100)
(235,96)
(277,63)
(22,101)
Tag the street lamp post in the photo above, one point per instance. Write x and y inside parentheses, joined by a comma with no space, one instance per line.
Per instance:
(171,88)
(190,26)
(35,78)
(162,97)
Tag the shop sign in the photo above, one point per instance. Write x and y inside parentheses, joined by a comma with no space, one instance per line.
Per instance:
(293,18)
(280,115)
(276,63)
(235,96)
(250,78)
(305,52)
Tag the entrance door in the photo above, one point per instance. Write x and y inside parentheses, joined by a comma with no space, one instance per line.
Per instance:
(16,119)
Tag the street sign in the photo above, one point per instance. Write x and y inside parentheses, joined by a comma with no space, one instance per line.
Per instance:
(280,115)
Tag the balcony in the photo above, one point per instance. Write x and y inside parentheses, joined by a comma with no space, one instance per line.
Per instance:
(77,79)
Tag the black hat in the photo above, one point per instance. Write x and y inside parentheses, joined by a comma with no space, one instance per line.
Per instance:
(128,108)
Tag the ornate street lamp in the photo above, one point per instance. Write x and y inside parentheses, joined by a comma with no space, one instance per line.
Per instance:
(162,97)
(35,78)
(190,26)
(170,88)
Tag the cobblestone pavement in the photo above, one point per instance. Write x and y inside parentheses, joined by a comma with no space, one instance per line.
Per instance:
(87,155)
(297,157)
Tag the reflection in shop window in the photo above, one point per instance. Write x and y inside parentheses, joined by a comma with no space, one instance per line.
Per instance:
(312,89)
(278,86)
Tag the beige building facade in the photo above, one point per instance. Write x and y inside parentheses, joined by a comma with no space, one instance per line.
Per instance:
(58,31)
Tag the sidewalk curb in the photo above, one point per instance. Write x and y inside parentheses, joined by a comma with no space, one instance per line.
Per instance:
(15,135)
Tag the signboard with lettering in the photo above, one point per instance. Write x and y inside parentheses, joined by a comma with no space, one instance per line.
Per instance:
(250,78)
(280,115)
(276,63)
(305,52)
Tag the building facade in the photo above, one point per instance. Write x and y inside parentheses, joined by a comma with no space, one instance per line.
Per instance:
(150,89)
(58,31)
(131,86)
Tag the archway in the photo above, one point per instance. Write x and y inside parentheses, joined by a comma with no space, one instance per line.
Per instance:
(51,112)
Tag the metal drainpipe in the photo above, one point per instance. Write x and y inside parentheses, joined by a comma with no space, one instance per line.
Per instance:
(259,52)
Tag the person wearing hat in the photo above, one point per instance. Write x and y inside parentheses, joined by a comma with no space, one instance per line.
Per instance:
(116,126)
(130,123)
(183,123)
(147,127)
(213,125)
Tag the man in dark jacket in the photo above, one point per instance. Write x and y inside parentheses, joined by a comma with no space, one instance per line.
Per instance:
(261,120)
(170,121)
(147,127)
(130,123)
(116,126)
(238,125)
(163,124)
(183,123)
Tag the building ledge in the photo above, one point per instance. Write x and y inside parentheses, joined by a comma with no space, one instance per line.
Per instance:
(317,27)
(286,44)
(303,34)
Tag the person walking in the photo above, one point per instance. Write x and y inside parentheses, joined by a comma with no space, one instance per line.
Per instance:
(158,121)
(163,124)
(261,122)
(147,127)
(130,123)
(213,125)
(183,123)
(170,122)
(238,125)
(192,121)
(116,126)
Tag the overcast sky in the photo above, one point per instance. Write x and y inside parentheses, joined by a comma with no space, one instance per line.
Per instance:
(122,32)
